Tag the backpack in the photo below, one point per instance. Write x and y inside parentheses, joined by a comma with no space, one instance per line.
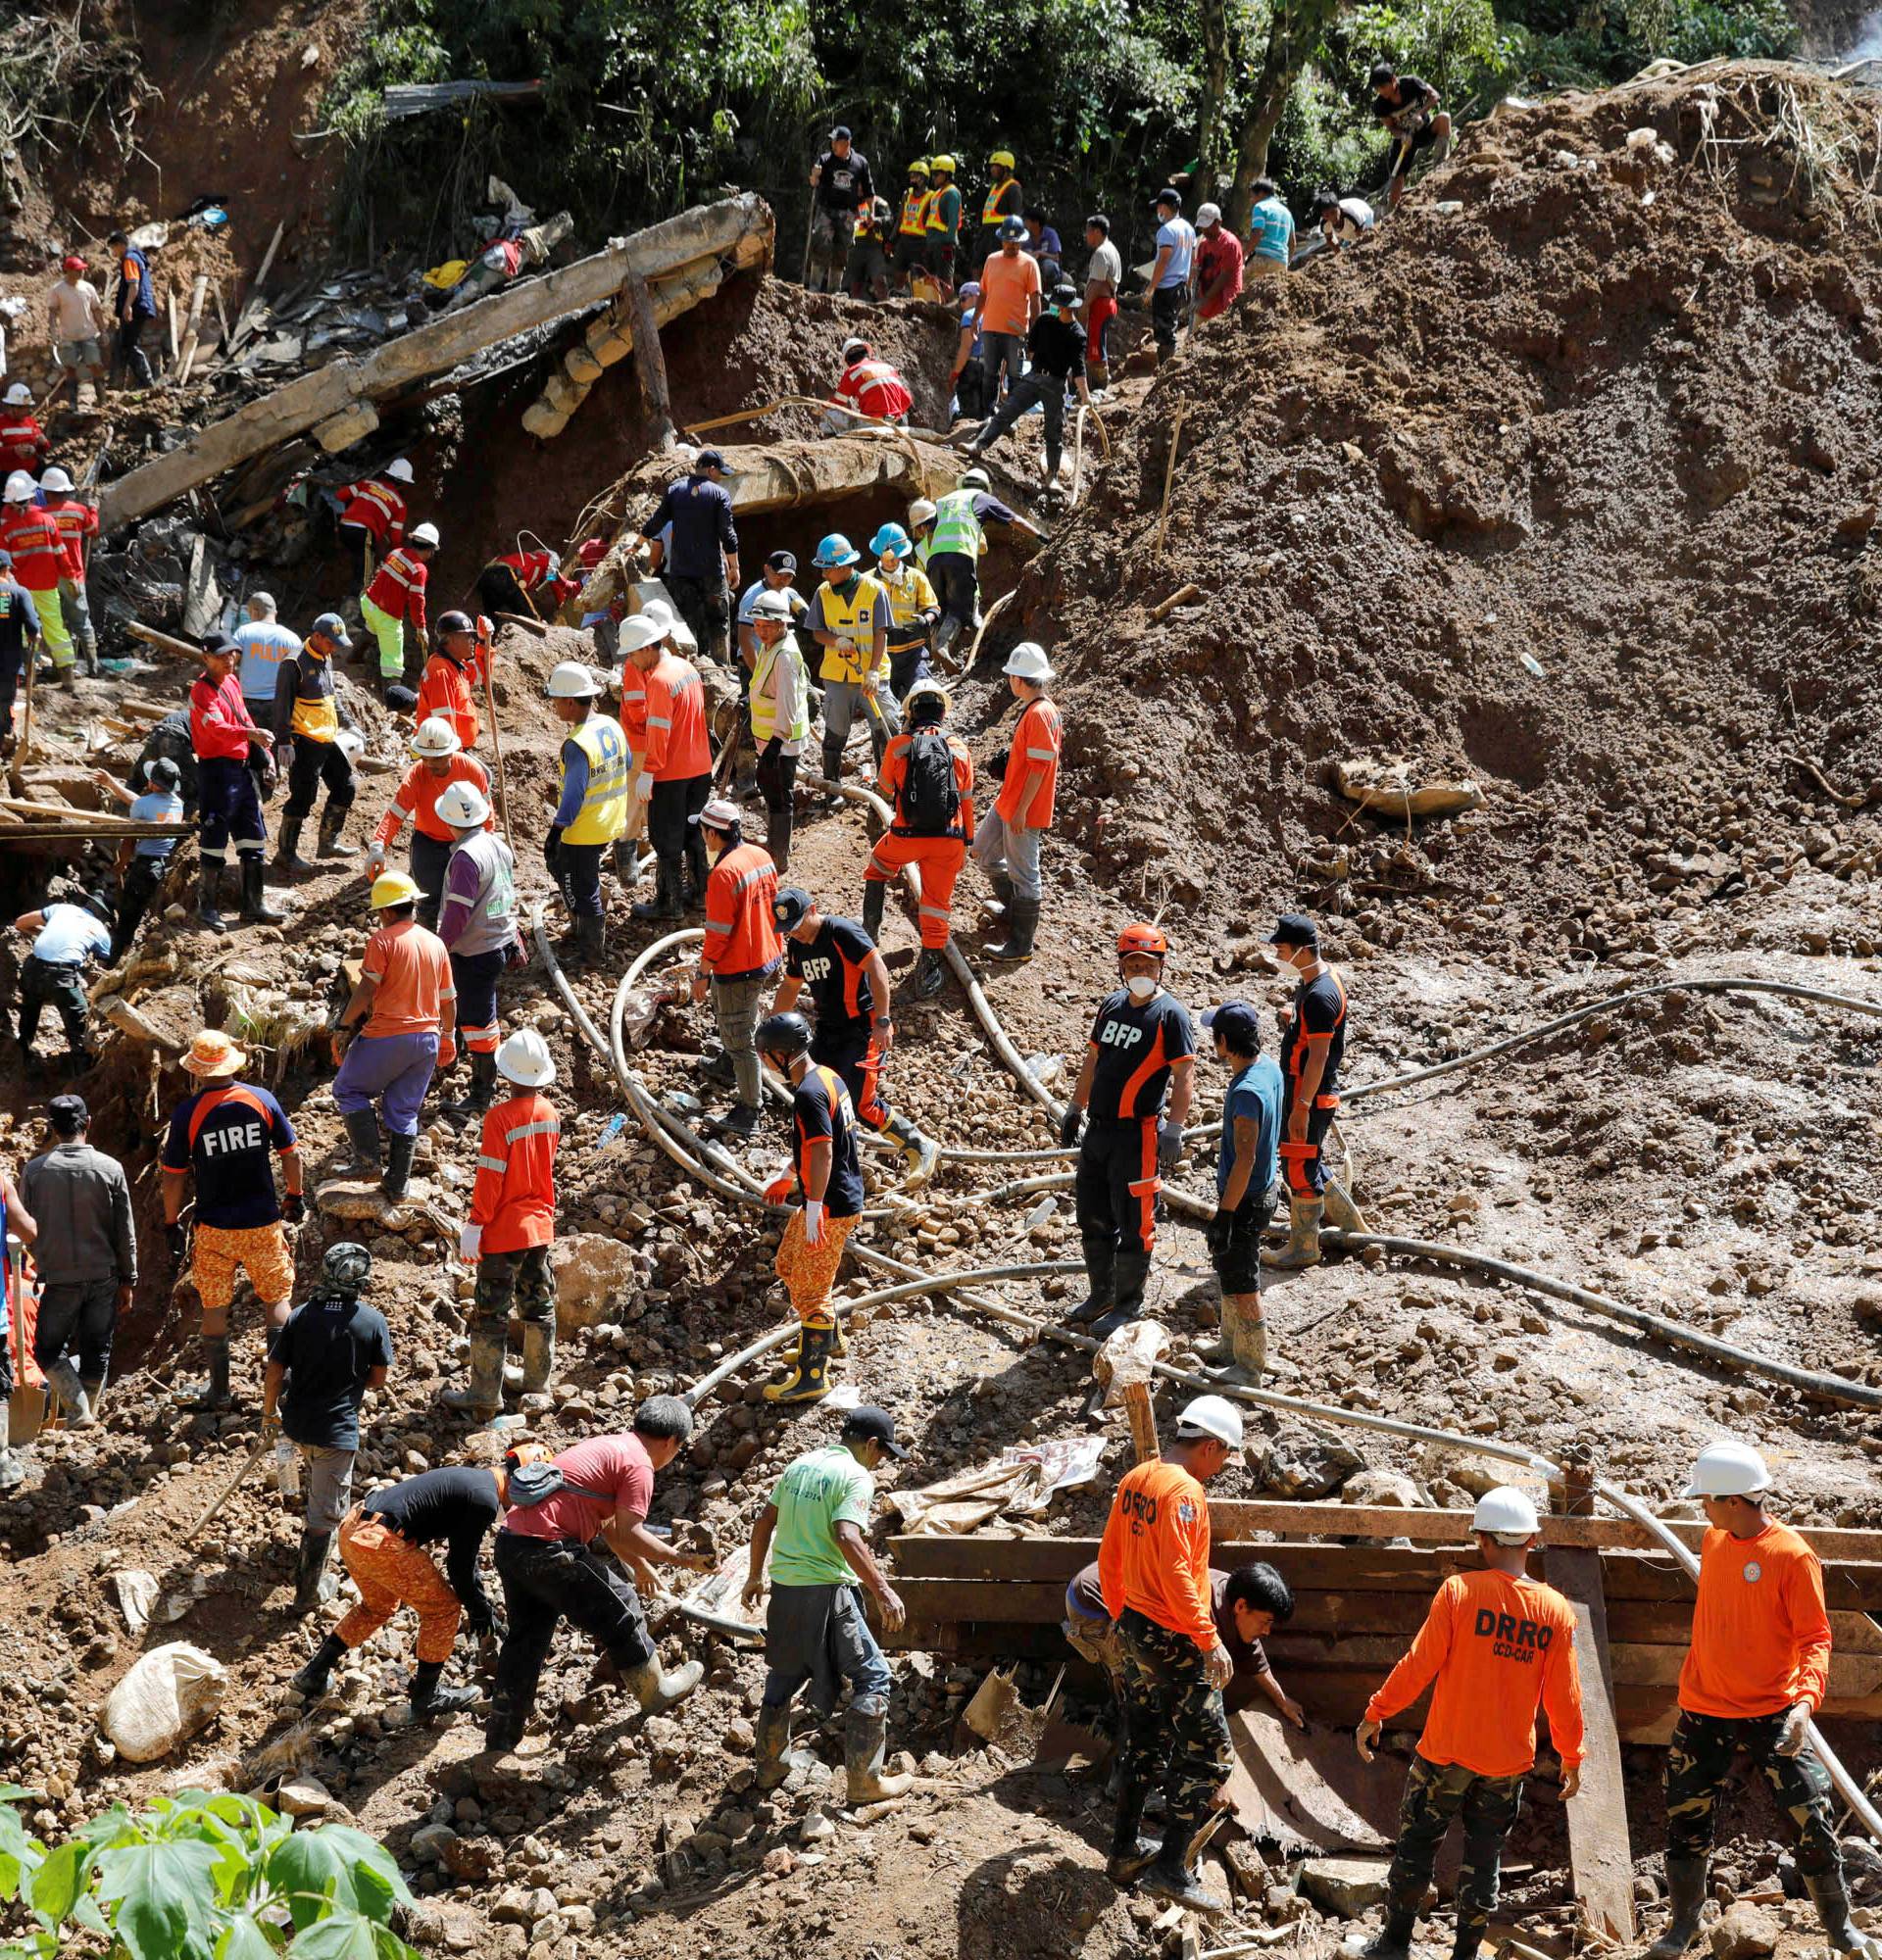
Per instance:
(537,1482)
(930,800)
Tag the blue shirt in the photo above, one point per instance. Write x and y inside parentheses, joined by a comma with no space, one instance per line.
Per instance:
(137,290)
(1270,231)
(264,644)
(156,807)
(1255,1093)
(798,604)
(71,935)
(230,1152)
(18,617)
(700,512)
(1181,237)
(575,785)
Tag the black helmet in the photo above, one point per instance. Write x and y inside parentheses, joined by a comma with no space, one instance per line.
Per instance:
(456,622)
(788,1035)
(347,1265)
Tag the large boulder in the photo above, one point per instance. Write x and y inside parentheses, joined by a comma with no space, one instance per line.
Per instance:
(595,1279)
(1306,1463)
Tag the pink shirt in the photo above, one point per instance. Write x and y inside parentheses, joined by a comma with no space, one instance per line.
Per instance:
(617,1466)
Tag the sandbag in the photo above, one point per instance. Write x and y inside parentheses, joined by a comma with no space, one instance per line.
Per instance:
(170,1693)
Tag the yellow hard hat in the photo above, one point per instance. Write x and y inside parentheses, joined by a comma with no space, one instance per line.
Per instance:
(1005,157)
(942,162)
(393,888)
(919,167)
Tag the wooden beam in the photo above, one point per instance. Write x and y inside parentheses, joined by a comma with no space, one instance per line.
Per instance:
(738,225)
(1600,1850)
(650,364)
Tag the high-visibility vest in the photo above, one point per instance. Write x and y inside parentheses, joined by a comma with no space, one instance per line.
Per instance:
(765,701)
(990,212)
(375,506)
(943,216)
(398,584)
(915,212)
(956,527)
(603,815)
(853,621)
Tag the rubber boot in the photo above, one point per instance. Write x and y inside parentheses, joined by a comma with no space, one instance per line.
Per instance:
(930,974)
(1002,900)
(398,1152)
(1101,1278)
(923,1153)
(809,1378)
(310,1572)
(429,1699)
(1393,1941)
(1832,1901)
(63,1379)
(875,895)
(538,1355)
(90,654)
(777,1761)
(214,1395)
(1686,1893)
(740,1121)
(1169,1876)
(1467,1945)
(483,1086)
(657,1691)
(665,904)
(312,1679)
(1023,929)
(255,910)
(95,1396)
(208,877)
(1341,1214)
(1248,1348)
(832,798)
(288,861)
(332,822)
(777,836)
(482,1398)
(591,940)
(502,1727)
(362,1133)
(1303,1247)
(1130,1851)
(1131,1270)
(864,1744)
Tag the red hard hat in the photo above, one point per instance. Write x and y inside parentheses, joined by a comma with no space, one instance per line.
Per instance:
(593,552)
(72,264)
(1141,938)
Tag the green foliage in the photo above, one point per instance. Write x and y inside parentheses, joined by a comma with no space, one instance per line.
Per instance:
(200,1877)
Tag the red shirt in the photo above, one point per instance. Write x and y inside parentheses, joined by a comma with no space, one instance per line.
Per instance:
(398,587)
(76,523)
(375,506)
(514,1199)
(447,690)
(38,550)
(741,933)
(616,1466)
(1214,257)
(1025,797)
(418,797)
(23,442)
(676,745)
(414,972)
(219,724)
(529,568)
(873,388)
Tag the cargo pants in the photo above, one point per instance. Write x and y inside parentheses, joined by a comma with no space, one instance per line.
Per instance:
(1177,1727)
(1435,1794)
(1698,1759)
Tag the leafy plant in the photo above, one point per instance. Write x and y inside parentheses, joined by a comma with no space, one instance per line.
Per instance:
(200,1877)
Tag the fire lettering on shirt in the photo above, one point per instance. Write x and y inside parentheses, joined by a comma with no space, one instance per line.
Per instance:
(232,1137)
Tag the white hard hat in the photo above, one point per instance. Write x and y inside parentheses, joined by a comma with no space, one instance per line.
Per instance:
(922,511)
(525,1061)
(771,606)
(1727,1470)
(1028,661)
(424,534)
(572,682)
(1211,1415)
(661,614)
(19,395)
(464,807)
(399,471)
(20,488)
(638,630)
(1506,1514)
(55,480)
(435,737)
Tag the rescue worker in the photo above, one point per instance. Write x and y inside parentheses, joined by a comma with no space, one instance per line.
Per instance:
(912,225)
(943,222)
(394,598)
(23,442)
(927,776)
(398,1028)
(840,186)
(19,644)
(742,951)
(372,515)
(701,566)
(511,1228)
(453,674)
(1311,1053)
(225,1136)
(1244,1171)
(305,719)
(675,772)
(1495,1647)
(1755,1673)
(477,923)
(1005,199)
(778,574)
(142,862)
(135,307)
(514,581)
(913,607)
(262,643)
(968,377)
(382,1545)
(38,552)
(849,618)
(1141,1048)
(955,541)
(66,940)
(866,267)
(1012,300)
(224,736)
(629,859)
(826,1173)
(780,714)
(1409,110)
(1153,1572)
(852,1027)
(438,762)
(77,524)
(1008,843)
(868,387)
(593,810)
(76,325)
(333,1351)
(1055,353)
(602,1487)
(812,1531)
(1103,276)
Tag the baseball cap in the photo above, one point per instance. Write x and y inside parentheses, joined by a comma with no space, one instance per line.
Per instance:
(335,628)
(1168,195)
(868,1424)
(1295,929)
(709,458)
(164,772)
(72,263)
(841,133)
(720,814)
(1237,1023)
(970,291)
(6,559)
(782,560)
(1208,214)
(68,1115)
(218,642)
(791,906)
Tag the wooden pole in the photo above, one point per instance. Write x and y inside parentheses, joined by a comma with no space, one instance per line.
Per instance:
(169,645)
(1169,480)
(193,326)
(25,743)
(650,363)
(170,303)
(496,745)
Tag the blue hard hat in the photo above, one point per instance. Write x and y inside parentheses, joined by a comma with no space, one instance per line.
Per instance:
(890,538)
(835,550)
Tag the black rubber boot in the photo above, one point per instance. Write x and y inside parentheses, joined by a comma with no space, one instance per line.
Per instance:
(1467,1945)
(1131,1853)
(777,1761)
(875,895)
(665,904)
(429,1699)
(332,821)
(362,1133)
(1686,1893)
(312,1681)
(398,1152)
(1393,1941)
(208,877)
(1171,1877)
(930,974)
(255,910)
(809,1380)
(1023,928)
(483,1086)
(214,1395)
(833,774)
(311,1570)
(1002,898)
(1101,1278)
(865,1744)
(288,861)
(502,1727)
(1831,1897)
(1132,1271)
(591,936)
(777,836)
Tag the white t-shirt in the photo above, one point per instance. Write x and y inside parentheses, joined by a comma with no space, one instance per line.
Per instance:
(1106,262)
(1355,220)
(1179,235)
(75,310)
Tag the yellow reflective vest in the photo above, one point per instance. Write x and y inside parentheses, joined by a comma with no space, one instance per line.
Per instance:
(853,621)
(603,815)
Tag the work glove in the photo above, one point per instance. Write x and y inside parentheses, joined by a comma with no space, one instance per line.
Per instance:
(813,1221)
(176,1236)
(447,1050)
(644,786)
(294,1208)
(774,749)
(1220,1231)
(470,1242)
(270,1424)
(779,1187)
(1169,1143)
(374,858)
(1795,1732)
(284,755)
(552,850)
(1071,1126)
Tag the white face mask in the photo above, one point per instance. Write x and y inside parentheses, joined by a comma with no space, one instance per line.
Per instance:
(1142,986)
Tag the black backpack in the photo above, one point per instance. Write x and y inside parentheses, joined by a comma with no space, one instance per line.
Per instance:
(930,802)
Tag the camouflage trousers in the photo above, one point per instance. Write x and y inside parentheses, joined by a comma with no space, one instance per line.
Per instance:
(1697,1763)
(1176,1728)
(1435,1794)
(522,1278)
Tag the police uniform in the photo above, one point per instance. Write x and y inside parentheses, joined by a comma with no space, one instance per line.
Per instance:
(1319,1018)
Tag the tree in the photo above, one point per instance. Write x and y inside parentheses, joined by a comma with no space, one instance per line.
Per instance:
(1294,32)
(1211,110)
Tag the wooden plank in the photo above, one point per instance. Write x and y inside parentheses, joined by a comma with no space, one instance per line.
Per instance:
(1600,1850)
(1310,1785)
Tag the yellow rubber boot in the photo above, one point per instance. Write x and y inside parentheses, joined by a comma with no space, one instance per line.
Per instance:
(1303,1247)
(809,1380)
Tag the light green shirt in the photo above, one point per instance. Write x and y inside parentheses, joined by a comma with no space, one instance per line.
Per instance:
(822,1489)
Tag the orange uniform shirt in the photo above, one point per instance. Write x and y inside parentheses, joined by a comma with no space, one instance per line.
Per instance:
(895,772)
(1498,1647)
(1026,797)
(414,972)
(1155,1554)
(416,798)
(741,933)
(377,508)
(1005,287)
(76,521)
(38,550)
(633,707)
(514,1199)
(676,745)
(1761,1633)
(448,689)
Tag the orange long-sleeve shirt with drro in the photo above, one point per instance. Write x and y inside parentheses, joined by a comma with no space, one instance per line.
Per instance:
(1155,1554)
(1761,1633)
(1496,1648)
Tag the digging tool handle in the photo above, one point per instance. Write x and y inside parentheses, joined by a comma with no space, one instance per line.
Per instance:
(262,1447)
(496,742)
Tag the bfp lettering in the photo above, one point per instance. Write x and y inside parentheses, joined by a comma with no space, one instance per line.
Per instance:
(818,969)
(1120,1034)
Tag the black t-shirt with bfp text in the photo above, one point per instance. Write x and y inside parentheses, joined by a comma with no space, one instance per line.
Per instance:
(1055,346)
(328,1347)
(1319,1014)
(844,182)
(832,965)
(458,1505)
(1136,1044)
(821,1108)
